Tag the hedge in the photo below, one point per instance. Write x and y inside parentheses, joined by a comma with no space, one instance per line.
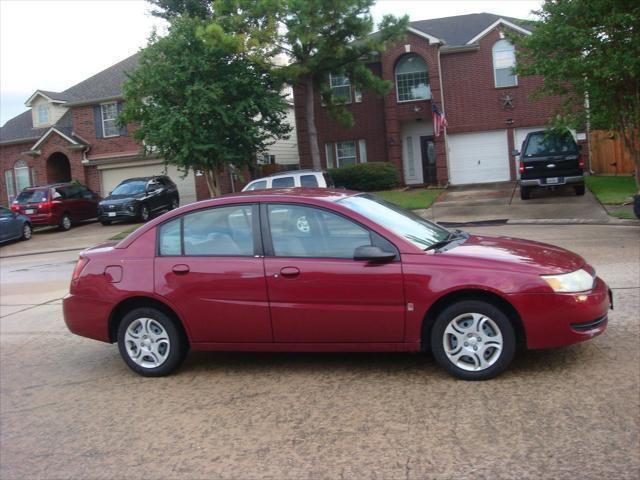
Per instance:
(366,177)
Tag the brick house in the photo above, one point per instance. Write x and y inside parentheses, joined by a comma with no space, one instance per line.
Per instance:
(462,65)
(72,135)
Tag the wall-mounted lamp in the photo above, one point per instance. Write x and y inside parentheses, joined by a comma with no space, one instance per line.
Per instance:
(417,108)
(509,121)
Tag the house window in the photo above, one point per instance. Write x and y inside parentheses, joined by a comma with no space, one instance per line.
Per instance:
(342,154)
(109,116)
(268,159)
(11,189)
(504,60)
(346,153)
(412,79)
(22,175)
(340,88)
(43,114)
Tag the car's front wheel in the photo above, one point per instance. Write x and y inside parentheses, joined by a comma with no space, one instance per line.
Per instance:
(150,343)
(473,340)
(26,232)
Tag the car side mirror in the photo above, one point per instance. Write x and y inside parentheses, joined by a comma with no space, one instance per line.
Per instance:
(372,253)
(515,152)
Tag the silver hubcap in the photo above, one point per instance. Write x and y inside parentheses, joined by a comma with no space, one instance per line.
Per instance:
(144,213)
(472,342)
(147,342)
(26,232)
(66,223)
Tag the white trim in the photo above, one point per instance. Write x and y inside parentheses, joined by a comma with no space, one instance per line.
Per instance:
(47,97)
(502,21)
(422,34)
(49,132)
(493,61)
(395,79)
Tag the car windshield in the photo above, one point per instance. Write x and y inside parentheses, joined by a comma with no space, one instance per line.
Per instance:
(544,143)
(31,196)
(130,188)
(422,233)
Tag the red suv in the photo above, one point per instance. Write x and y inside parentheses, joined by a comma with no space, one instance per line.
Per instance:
(61,204)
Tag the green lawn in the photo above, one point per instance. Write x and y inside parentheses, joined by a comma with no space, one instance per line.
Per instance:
(411,199)
(624,214)
(612,190)
(125,232)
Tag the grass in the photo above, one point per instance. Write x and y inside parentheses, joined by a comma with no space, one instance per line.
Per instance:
(411,199)
(124,233)
(624,214)
(612,190)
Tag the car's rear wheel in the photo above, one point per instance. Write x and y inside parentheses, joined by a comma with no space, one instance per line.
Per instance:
(65,222)
(175,203)
(26,232)
(473,340)
(525,193)
(143,213)
(579,190)
(150,342)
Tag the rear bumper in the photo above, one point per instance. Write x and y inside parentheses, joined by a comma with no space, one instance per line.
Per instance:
(43,219)
(541,182)
(558,319)
(87,317)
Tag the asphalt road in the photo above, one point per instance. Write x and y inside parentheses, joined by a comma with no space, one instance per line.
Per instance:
(70,408)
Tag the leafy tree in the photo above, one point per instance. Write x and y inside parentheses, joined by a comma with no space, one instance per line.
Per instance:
(319,37)
(589,50)
(202,106)
(170,9)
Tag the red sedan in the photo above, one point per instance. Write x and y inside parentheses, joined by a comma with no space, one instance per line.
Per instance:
(328,270)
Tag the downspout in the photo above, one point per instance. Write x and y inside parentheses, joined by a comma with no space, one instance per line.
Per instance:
(446,141)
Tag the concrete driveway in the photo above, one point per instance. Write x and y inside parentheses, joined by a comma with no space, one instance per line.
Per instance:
(501,201)
(70,408)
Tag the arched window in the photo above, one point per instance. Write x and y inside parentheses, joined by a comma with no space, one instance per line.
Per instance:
(504,60)
(412,79)
(21,172)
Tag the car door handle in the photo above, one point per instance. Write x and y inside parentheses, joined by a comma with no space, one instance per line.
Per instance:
(180,269)
(289,272)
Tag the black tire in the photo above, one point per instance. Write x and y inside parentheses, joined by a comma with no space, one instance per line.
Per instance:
(525,193)
(177,344)
(27,232)
(636,205)
(497,361)
(143,213)
(579,190)
(65,222)
(105,222)
(175,203)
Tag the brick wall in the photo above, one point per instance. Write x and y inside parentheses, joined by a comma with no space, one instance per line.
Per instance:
(84,127)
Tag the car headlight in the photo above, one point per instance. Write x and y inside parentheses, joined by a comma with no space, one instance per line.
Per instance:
(578,281)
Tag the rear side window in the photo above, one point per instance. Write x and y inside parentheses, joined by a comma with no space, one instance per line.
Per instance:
(328,180)
(31,196)
(170,241)
(283,182)
(262,184)
(308,181)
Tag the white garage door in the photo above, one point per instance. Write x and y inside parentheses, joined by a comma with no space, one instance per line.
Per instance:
(111,177)
(478,157)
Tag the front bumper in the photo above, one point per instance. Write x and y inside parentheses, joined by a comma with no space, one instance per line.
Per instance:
(120,214)
(542,182)
(557,319)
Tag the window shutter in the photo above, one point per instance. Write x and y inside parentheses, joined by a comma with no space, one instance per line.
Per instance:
(123,128)
(358,95)
(329,149)
(362,144)
(97,121)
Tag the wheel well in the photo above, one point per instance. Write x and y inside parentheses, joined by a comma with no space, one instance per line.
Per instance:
(471,294)
(137,302)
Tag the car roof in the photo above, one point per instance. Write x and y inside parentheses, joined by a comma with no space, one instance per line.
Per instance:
(49,185)
(280,194)
(292,172)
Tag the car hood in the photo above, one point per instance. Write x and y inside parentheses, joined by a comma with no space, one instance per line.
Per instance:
(120,199)
(518,254)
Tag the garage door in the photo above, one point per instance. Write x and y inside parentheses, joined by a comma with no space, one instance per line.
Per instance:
(478,157)
(111,177)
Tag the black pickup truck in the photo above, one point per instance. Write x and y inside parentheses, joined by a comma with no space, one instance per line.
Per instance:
(550,159)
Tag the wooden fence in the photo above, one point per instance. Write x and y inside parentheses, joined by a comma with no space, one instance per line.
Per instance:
(609,155)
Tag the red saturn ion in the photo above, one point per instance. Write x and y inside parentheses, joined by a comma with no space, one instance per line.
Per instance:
(328,270)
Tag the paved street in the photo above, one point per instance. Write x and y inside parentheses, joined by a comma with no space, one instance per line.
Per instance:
(70,408)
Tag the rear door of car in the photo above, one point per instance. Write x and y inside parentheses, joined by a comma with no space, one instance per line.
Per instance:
(209,265)
(10,226)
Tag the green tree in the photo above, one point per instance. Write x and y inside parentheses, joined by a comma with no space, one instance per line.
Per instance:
(200,105)
(171,9)
(589,51)
(319,37)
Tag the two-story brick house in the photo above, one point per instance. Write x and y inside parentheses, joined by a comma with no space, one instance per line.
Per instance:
(73,135)
(463,66)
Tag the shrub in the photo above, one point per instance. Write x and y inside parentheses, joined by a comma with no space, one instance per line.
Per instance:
(366,177)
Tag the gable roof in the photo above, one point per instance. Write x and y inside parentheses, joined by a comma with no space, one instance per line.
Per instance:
(461,29)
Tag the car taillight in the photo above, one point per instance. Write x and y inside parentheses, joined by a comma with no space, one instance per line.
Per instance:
(82,262)
(581,163)
(45,206)
(521,167)
(15,207)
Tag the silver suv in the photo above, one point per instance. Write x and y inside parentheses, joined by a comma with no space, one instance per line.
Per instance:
(292,179)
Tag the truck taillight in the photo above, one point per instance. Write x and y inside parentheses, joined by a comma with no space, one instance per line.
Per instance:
(82,262)
(581,163)
(521,167)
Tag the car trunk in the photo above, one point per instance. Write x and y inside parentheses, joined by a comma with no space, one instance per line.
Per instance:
(32,202)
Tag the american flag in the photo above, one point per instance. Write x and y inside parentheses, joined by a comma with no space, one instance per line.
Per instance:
(439,122)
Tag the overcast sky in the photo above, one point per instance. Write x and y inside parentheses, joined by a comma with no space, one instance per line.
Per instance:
(54,44)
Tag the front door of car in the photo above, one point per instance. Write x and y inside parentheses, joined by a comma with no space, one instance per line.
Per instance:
(318,293)
(9,226)
(209,266)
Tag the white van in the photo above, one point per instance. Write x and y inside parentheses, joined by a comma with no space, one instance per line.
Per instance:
(292,179)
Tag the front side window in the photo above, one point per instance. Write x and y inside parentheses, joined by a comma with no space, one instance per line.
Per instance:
(299,231)
(109,117)
(412,79)
(21,173)
(262,184)
(340,87)
(504,61)
(43,114)
(283,182)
